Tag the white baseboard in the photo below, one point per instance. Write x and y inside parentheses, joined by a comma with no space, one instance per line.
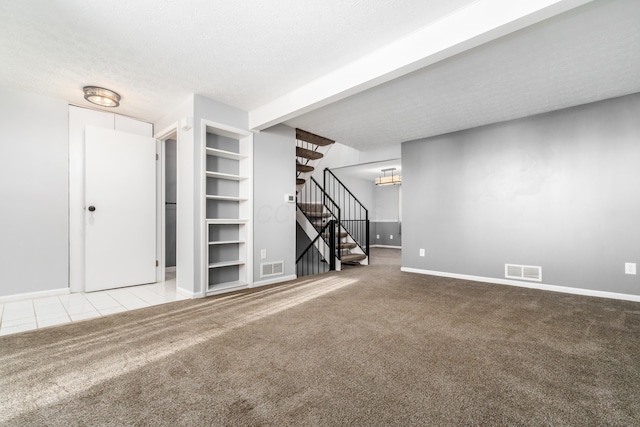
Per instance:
(185,293)
(39,294)
(385,246)
(170,269)
(541,286)
(274,281)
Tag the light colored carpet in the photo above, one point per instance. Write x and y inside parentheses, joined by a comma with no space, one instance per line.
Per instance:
(366,346)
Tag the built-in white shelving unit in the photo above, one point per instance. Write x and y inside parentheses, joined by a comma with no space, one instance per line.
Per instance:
(228,196)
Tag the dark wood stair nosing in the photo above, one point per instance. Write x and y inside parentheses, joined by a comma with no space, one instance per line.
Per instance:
(304,168)
(308,154)
(312,138)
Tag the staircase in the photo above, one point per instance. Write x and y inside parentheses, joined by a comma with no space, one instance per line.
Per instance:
(333,238)
(310,149)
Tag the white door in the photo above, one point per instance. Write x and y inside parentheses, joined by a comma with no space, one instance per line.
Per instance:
(120,209)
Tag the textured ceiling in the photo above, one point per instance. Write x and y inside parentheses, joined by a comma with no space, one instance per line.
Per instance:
(246,54)
(587,54)
(157,53)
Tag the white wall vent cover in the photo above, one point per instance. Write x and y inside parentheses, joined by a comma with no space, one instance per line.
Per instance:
(271,268)
(523,272)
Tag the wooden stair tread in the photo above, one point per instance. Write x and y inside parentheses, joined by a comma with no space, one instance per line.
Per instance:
(347,245)
(317,214)
(308,154)
(352,257)
(342,235)
(303,168)
(299,181)
(312,138)
(312,206)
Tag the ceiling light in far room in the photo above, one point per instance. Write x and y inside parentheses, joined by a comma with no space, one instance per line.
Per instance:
(388,179)
(101,96)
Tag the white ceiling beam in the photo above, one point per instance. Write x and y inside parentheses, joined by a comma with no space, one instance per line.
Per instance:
(480,22)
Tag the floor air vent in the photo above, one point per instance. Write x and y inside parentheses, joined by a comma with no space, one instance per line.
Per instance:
(271,268)
(523,272)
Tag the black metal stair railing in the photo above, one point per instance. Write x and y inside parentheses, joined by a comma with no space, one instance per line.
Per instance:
(312,260)
(325,215)
(355,217)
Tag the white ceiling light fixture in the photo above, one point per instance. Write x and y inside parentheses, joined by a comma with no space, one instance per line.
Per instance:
(101,96)
(388,179)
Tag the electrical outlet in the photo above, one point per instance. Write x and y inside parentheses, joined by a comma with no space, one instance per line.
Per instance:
(629,268)
(377,236)
(391,236)
(421,252)
(263,253)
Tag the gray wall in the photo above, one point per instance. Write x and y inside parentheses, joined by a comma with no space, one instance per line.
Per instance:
(361,188)
(170,200)
(559,190)
(34,168)
(274,172)
(385,216)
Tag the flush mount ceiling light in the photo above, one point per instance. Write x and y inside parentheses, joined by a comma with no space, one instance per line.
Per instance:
(101,96)
(388,179)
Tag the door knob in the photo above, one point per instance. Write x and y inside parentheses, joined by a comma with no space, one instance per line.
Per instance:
(92,208)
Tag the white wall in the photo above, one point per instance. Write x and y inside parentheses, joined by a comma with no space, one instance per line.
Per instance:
(34,247)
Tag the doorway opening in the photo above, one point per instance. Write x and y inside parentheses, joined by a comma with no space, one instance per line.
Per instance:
(170,205)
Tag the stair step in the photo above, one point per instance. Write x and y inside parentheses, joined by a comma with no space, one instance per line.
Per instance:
(347,245)
(312,138)
(308,154)
(316,214)
(299,181)
(352,257)
(342,235)
(303,168)
(312,206)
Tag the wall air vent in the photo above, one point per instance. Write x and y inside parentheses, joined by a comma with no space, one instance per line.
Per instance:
(523,272)
(271,268)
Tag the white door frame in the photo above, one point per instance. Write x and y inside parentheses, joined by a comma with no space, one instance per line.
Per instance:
(162,137)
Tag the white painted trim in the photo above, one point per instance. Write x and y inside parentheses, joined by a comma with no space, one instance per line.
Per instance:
(385,246)
(186,293)
(160,210)
(31,295)
(225,130)
(274,281)
(225,290)
(540,286)
(161,220)
(170,269)
(439,40)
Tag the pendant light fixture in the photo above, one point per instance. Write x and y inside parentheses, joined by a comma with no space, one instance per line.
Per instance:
(388,179)
(101,96)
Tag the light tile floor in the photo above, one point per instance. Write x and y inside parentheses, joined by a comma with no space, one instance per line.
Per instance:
(28,314)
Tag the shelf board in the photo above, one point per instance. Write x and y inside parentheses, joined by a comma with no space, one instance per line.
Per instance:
(225,263)
(227,242)
(226,154)
(226,198)
(226,221)
(228,176)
